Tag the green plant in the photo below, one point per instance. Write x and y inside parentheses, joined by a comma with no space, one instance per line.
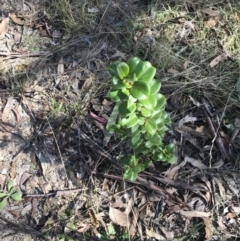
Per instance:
(11,193)
(142,118)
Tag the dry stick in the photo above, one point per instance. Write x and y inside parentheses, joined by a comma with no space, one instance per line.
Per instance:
(55,194)
(216,137)
(140,180)
(19,55)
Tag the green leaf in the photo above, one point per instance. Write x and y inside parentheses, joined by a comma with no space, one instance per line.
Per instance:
(118,84)
(141,120)
(132,63)
(146,112)
(123,70)
(154,86)
(130,175)
(119,70)
(155,139)
(113,94)
(135,130)
(150,127)
(17,196)
(113,69)
(113,118)
(133,161)
(123,94)
(161,100)
(141,68)
(148,144)
(136,141)
(150,102)
(126,108)
(3,203)
(149,73)
(170,148)
(10,185)
(3,194)
(140,90)
(129,122)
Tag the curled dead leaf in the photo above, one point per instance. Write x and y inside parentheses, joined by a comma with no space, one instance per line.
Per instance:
(15,19)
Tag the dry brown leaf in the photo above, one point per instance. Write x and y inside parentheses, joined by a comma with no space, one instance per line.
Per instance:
(186,119)
(3,27)
(129,207)
(210,12)
(173,71)
(13,171)
(194,101)
(185,65)
(11,102)
(169,235)
(173,170)
(196,163)
(194,214)
(119,217)
(132,228)
(208,228)
(212,22)
(220,188)
(155,235)
(218,59)
(17,20)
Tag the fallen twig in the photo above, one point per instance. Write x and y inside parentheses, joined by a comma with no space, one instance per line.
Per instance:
(215,133)
(23,55)
(55,194)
